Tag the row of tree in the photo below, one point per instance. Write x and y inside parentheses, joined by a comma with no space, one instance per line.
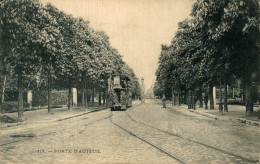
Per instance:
(44,48)
(219,42)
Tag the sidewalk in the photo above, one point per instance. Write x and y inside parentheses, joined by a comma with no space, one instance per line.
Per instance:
(235,113)
(42,116)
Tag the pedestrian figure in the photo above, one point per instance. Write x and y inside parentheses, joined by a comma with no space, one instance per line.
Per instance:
(206,100)
(164,101)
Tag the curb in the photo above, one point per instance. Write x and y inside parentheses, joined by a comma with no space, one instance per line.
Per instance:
(82,114)
(60,119)
(249,122)
(205,114)
(200,113)
(241,120)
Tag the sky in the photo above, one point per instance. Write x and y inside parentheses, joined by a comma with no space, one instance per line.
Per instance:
(136,28)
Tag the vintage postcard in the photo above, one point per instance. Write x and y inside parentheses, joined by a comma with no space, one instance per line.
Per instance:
(129,81)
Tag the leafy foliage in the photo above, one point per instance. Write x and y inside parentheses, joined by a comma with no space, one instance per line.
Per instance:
(40,40)
(219,42)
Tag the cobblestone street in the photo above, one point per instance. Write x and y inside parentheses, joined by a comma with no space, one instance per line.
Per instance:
(144,133)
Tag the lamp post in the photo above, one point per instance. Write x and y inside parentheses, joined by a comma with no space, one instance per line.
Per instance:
(142,99)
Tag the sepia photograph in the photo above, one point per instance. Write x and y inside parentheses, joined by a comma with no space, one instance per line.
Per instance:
(129,81)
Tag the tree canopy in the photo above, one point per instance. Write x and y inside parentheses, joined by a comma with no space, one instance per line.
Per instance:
(218,42)
(38,40)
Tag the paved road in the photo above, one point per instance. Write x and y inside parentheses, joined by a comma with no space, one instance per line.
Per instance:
(194,138)
(143,134)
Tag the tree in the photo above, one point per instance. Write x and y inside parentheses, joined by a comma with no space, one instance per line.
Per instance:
(231,27)
(28,39)
(44,46)
(209,47)
(73,33)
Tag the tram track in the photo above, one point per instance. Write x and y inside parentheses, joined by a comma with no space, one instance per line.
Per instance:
(193,141)
(147,142)
(109,115)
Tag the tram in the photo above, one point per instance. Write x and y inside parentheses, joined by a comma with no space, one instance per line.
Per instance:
(119,94)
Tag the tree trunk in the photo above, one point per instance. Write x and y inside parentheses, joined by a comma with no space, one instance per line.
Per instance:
(220,98)
(83,92)
(104,97)
(193,100)
(173,102)
(20,97)
(189,100)
(3,90)
(174,99)
(179,103)
(107,97)
(249,100)
(83,97)
(86,97)
(211,96)
(185,98)
(69,99)
(93,95)
(99,97)
(49,93)
(225,99)
(200,97)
